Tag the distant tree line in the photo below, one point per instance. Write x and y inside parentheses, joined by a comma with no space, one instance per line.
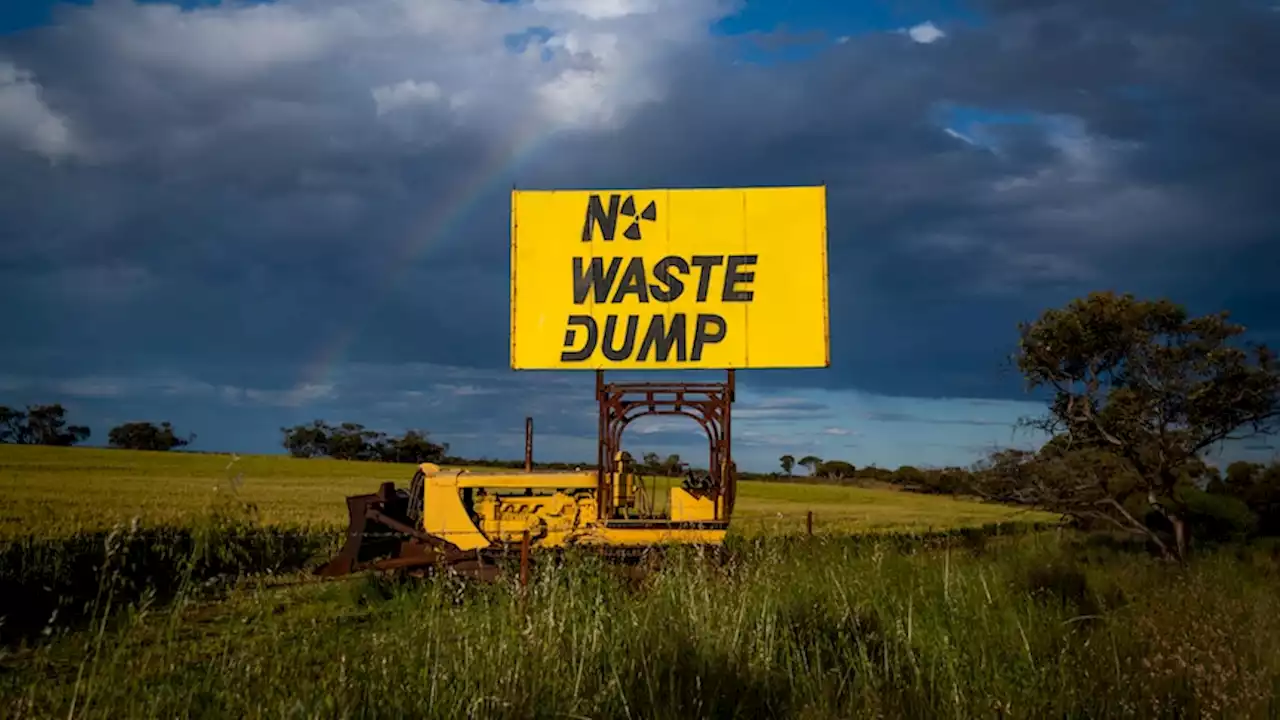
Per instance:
(147,436)
(651,463)
(47,425)
(948,480)
(353,441)
(39,425)
(818,469)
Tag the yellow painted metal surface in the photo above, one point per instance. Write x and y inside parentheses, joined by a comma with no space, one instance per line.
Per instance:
(685,507)
(527,480)
(669,279)
(644,537)
(443,514)
(557,509)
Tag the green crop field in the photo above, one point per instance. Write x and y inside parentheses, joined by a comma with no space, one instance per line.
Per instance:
(58,491)
(191,613)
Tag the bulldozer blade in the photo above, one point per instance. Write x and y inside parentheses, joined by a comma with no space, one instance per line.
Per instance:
(357,541)
(376,536)
(411,554)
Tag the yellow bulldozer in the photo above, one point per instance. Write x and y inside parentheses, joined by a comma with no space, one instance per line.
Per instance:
(466,521)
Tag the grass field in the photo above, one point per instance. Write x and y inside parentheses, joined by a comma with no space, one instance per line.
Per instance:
(189,615)
(1032,627)
(58,491)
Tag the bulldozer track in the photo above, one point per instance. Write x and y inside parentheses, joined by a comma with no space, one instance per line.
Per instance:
(507,560)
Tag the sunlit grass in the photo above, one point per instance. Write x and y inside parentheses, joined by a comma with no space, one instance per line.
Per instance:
(60,491)
(823,628)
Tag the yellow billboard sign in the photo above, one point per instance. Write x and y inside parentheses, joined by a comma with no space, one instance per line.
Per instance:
(669,279)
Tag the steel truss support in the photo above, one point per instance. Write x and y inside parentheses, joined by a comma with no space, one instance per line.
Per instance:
(709,404)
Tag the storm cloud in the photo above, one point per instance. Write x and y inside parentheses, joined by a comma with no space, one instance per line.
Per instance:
(276,198)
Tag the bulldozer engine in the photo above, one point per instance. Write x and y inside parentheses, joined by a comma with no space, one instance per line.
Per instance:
(464,519)
(505,518)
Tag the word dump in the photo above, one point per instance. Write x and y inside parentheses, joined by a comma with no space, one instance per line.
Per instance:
(646,336)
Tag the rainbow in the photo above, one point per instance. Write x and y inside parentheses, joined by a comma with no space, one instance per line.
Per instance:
(499,167)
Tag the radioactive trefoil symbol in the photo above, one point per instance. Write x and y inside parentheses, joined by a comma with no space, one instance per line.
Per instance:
(606,220)
(649,214)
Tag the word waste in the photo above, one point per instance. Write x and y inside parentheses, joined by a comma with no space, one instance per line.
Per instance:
(645,336)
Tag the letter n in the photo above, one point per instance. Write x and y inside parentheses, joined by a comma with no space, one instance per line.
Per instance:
(596,216)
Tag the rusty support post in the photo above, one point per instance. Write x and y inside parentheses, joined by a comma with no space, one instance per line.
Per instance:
(528,444)
(808,523)
(602,430)
(731,392)
(524,560)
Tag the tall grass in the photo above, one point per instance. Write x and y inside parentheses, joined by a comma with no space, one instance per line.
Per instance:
(1036,626)
(52,584)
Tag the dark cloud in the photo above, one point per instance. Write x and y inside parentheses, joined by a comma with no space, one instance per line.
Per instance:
(910,418)
(232,199)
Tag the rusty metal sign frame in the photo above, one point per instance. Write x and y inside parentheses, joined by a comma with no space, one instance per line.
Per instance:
(710,404)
